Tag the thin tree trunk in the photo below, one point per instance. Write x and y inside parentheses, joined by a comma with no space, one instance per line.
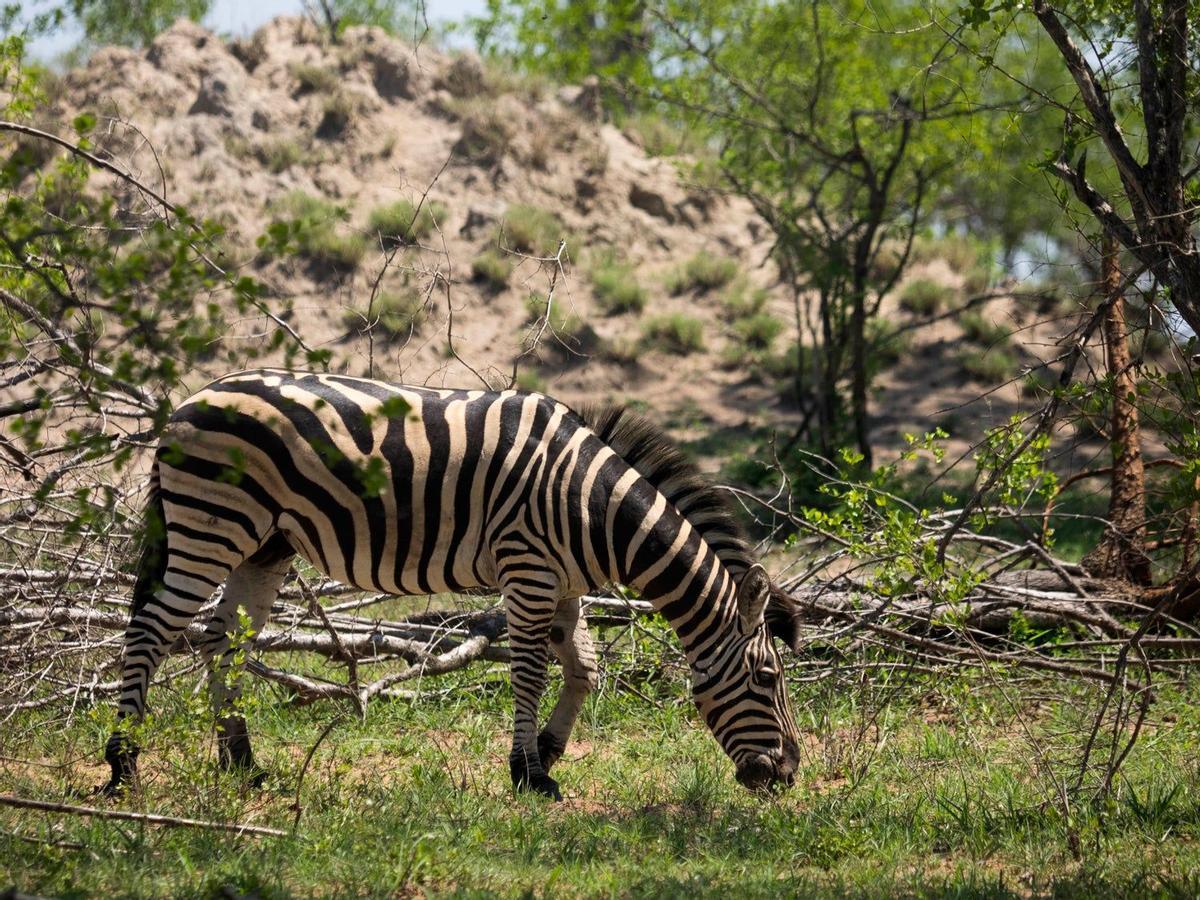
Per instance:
(1121,551)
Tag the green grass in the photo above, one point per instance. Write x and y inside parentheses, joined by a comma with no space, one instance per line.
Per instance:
(397,314)
(314,224)
(674,333)
(924,297)
(493,268)
(530,229)
(758,331)
(616,286)
(402,222)
(315,79)
(989,366)
(939,793)
(561,321)
(703,272)
(979,329)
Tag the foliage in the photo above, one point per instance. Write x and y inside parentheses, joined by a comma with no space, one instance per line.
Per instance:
(924,296)
(702,272)
(530,229)
(493,268)
(308,225)
(980,329)
(990,366)
(560,321)
(616,286)
(314,78)
(393,16)
(402,222)
(757,331)
(132,23)
(674,333)
(397,313)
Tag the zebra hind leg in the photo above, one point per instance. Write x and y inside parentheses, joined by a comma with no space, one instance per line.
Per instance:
(166,597)
(572,644)
(252,587)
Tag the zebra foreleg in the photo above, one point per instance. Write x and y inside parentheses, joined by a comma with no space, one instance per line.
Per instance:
(251,587)
(572,644)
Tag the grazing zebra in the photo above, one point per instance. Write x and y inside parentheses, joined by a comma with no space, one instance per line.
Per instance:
(408,490)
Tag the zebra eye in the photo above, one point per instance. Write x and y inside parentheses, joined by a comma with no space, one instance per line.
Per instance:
(766,677)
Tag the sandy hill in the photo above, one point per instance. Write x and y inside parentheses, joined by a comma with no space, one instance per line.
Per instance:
(286,126)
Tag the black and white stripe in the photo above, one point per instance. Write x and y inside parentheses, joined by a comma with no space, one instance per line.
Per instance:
(409,490)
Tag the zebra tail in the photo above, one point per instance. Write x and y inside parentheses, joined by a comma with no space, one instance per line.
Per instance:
(153,561)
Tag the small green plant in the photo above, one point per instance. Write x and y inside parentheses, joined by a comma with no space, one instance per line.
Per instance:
(337,111)
(493,268)
(530,229)
(758,331)
(314,79)
(529,380)
(703,272)
(924,297)
(393,314)
(279,155)
(989,366)
(311,225)
(560,321)
(486,134)
(979,329)
(675,333)
(959,252)
(402,222)
(617,288)
(742,300)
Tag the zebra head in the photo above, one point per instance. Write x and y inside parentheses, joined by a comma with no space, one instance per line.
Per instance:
(740,690)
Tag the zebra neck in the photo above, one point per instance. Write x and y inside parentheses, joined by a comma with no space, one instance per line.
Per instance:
(657,551)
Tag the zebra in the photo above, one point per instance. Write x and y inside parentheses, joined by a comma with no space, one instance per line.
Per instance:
(411,490)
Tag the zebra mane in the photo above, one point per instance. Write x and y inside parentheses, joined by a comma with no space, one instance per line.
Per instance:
(656,458)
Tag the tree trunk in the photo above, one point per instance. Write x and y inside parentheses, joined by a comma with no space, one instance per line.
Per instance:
(1121,551)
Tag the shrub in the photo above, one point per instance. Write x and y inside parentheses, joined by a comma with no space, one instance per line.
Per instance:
(758,331)
(315,79)
(312,223)
(396,314)
(486,133)
(960,253)
(924,297)
(279,155)
(742,300)
(529,380)
(493,268)
(616,286)
(661,137)
(401,221)
(979,329)
(530,229)
(990,366)
(561,322)
(674,333)
(702,272)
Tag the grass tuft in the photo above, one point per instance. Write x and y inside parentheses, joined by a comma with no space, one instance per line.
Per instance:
(675,333)
(401,222)
(924,296)
(530,229)
(616,286)
(703,272)
(979,329)
(493,269)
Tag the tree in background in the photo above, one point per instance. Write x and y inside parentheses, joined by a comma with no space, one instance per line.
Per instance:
(132,23)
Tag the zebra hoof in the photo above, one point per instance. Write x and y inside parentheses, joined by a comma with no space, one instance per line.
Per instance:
(550,749)
(537,782)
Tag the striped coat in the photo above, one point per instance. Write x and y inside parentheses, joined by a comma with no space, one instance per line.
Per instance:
(408,490)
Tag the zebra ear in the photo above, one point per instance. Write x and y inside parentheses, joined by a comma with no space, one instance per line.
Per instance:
(752,597)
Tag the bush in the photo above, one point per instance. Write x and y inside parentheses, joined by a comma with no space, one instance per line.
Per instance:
(924,297)
(529,380)
(337,111)
(979,329)
(757,332)
(616,286)
(312,223)
(530,229)
(279,155)
(493,268)
(561,322)
(675,333)
(486,133)
(401,222)
(396,314)
(702,272)
(989,366)
(742,300)
(960,253)
(315,79)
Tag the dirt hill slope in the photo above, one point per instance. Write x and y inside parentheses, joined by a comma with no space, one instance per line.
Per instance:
(286,127)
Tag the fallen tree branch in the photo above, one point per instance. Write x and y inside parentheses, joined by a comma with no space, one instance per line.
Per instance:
(150,818)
